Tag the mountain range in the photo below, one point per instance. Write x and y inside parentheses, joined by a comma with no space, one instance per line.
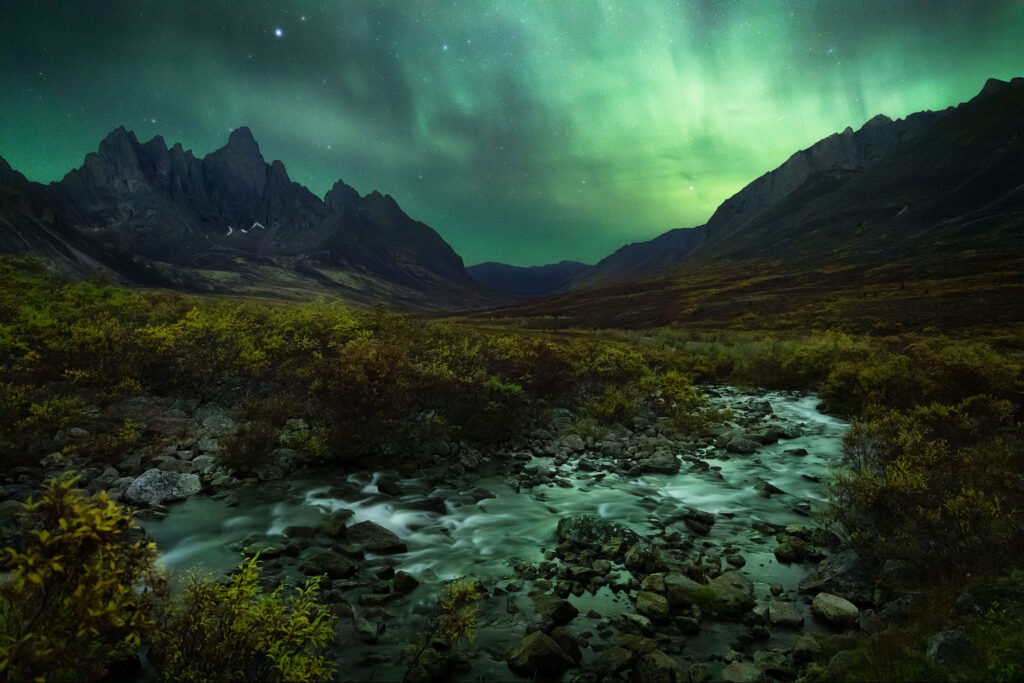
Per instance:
(228,222)
(935,197)
(935,200)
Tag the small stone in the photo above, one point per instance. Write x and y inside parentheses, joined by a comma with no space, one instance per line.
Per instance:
(656,667)
(654,583)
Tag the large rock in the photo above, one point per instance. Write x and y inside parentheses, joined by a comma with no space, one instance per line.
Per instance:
(680,590)
(653,605)
(742,445)
(613,660)
(774,663)
(157,486)
(593,531)
(836,610)
(335,565)
(553,610)
(844,574)
(660,463)
(784,614)
(741,672)
(656,667)
(374,538)
(949,647)
(734,593)
(538,654)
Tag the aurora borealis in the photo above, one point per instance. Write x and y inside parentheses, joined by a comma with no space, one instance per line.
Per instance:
(524,132)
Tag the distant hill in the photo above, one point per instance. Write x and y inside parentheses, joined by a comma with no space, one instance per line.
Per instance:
(526,281)
(228,222)
(917,221)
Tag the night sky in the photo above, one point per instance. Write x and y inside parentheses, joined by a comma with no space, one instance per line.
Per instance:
(524,132)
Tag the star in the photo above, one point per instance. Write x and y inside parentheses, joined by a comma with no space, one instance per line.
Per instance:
(278,32)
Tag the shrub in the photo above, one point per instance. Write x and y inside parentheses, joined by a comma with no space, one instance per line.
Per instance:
(615,404)
(82,592)
(235,632)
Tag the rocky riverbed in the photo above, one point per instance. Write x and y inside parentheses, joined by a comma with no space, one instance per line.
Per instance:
(638,552)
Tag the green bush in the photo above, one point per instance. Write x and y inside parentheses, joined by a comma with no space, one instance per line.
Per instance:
(235,632)
(82,592)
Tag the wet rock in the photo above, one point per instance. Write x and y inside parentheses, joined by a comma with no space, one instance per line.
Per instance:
(698,673)
(640,557)
(836,610)
(806,648)
(637,644)
(656,667)
(404,582)
(335,565)
(538,654)
(680,589)
(365,631)
(636,624)
(736,560)
(660,463)
(573,442)
(156,486)
(654,583)
(652,605)
(733,593)
(568,642)
(374,538)
(742,445)
(553,610)
(784,614)
(593,531)
(430,666)
(299,531)
(844,574)
(334,524)
(792,549)
(949,647)
(774,663)
(741,672)
(612,661)
(389,486)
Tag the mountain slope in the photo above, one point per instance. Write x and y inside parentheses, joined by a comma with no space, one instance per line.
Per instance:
(227,222)
(918,221)
(526,281)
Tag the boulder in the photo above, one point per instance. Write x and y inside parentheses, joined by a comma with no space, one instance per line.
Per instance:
(734,593)
(553,610)
(640,557)
(836,610)
(612,661)
(335,565)
(538,655)
(568,642)
(741,672)
(949,648)
(792,549)
(656,667)
(774,663)
(156,486)
(742,445)
(404,582)
(844,574)
(659,463)
(429,667)
(806,648)
(680,589)
(653,605)
(334,525)
(782,613)
(373,538)
(593,531)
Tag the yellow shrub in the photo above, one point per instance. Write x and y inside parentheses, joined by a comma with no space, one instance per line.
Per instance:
(81,595)
(235,632)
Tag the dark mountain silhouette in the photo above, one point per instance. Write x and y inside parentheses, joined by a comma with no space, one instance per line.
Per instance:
(918,221)
(949,178)
(227,222)
(526,281)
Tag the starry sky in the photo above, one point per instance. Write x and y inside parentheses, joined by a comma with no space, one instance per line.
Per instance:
(523,131)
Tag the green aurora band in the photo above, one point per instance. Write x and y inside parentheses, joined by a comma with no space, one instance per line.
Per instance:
(524,132)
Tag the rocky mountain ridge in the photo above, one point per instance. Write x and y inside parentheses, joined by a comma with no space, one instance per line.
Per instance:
(227,222)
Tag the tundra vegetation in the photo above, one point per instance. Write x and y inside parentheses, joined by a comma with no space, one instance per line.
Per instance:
(933,478)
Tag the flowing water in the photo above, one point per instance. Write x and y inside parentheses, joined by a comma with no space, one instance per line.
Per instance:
(482,538)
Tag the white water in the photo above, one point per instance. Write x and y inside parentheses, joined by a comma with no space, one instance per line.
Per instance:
(481,538)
